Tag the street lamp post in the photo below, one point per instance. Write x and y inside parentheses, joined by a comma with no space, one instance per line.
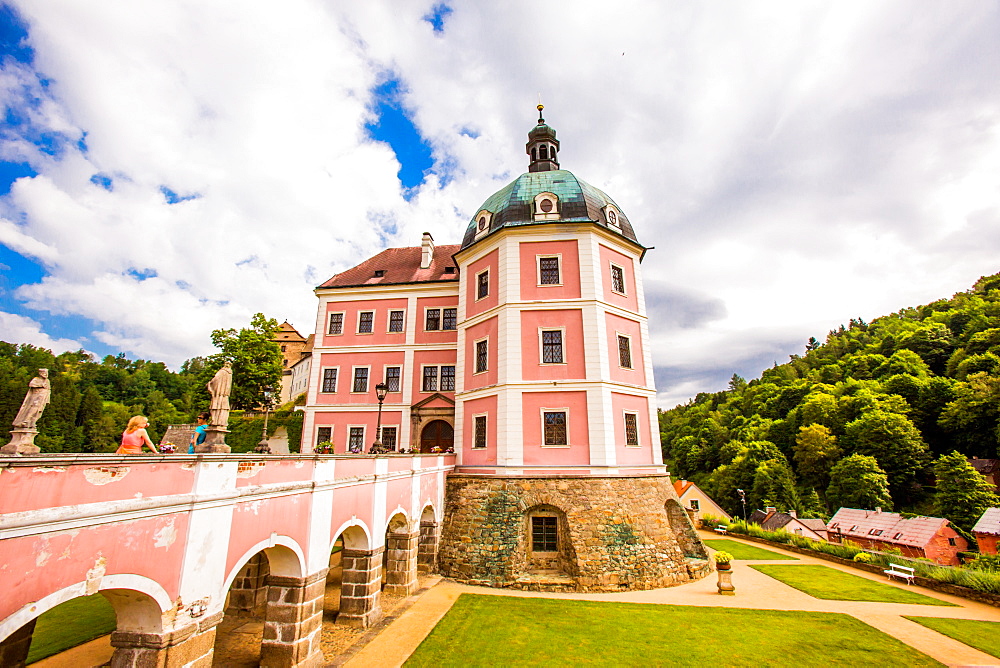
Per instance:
(743,498)
(380,391)
(263,447)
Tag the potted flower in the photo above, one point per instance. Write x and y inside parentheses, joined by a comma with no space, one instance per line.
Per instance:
(722,560)
(324,448)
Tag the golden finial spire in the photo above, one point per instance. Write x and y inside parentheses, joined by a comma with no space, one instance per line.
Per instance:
(540,107)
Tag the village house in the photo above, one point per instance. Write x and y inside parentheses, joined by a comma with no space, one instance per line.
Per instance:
(989,469)
(987,530)
(698,503)
(770,519)
(919,537)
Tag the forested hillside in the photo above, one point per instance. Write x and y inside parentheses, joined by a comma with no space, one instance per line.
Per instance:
(860,420)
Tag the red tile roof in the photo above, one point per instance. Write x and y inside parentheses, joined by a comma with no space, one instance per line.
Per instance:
(890,527)
(399,266)
(989,523)
(681,486)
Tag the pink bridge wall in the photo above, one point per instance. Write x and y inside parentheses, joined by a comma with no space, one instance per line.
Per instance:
(71,525)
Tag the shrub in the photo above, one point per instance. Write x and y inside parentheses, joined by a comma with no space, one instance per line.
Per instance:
(722,557)
(863,558)
(711,521)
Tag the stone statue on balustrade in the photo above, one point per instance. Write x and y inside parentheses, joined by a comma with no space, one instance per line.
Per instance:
(24,431)
(219,388)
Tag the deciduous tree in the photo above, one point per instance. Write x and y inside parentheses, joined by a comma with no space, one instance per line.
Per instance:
(962,492)
(857,481)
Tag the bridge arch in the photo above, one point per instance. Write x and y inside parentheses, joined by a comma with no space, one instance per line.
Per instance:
(356,534)
(138,601)
(284,555)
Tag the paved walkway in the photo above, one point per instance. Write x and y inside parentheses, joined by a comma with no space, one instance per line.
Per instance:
(753,590)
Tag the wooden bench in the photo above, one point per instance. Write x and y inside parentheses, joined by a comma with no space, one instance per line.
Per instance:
(901,572)
(721,530)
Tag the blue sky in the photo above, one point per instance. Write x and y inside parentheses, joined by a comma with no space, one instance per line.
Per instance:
(170,169)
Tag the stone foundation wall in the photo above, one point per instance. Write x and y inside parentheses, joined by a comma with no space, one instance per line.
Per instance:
(615,533)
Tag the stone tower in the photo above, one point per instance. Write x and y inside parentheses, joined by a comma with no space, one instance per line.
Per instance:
(559,481)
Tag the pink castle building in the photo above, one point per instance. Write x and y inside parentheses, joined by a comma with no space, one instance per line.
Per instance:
(526,349)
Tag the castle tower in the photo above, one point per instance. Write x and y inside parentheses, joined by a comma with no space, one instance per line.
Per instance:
(559,478)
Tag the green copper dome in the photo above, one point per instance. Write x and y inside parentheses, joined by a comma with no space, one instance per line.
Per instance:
(578,201)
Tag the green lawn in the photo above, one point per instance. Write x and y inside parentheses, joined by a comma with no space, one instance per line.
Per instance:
(984,636)
(743,551)
(69,624)
(829,583)
(483,630)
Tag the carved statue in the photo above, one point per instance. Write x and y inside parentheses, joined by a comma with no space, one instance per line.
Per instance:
(219,387)
(34,402)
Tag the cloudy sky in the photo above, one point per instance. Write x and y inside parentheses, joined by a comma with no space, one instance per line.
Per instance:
(171,167)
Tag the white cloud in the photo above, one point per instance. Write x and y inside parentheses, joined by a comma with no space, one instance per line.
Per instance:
(18,329)
(794,164)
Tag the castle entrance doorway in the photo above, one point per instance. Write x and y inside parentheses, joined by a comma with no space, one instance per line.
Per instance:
(437,434)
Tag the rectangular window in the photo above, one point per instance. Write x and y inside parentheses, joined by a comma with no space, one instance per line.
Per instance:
(482,347)
(479,433)
(389,438)
(395,321)
(392,378)
(555,428)
(433,320)
(336,324)
(450,318)
(366,322)
(552,346)
(430,383)
(329,380)
(360,379)
(631,429)
(548,270)
(356,441)
(324,435)
(695,504)
(624,352)
(483,284)
(448,379)
(544,534)
(617,279)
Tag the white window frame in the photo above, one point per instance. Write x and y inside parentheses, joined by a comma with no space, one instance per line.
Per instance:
(358,328)
(323,426)
(388,324)
(478,274)
(638,434)
(475,355)
(486,431)
(364,439)
(395,446)
(611,277)
(322,379)
(536,207)
(618,350)
(541,346)
(385,376)
(489,219)
(437,377)
(354,376)
(541,416)
(440,311)
(695,504)
(538,269)
(449,308)
(617,224)
(329,323)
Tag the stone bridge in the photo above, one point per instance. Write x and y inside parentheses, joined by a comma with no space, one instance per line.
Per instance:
(173,541)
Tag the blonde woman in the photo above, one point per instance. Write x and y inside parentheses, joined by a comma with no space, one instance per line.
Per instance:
(135,437)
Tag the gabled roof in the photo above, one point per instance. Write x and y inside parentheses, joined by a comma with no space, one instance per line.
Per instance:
(681,486)
(813,523)
(885,527)
(399,266)
(985,466)
(989,522)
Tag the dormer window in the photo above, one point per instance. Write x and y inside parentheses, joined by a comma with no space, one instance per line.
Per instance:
(546,206)
(613,217)
(483,219)
(379,273)
(449,270)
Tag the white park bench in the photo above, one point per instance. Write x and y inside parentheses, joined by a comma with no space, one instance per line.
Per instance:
(901,572)
(721,530)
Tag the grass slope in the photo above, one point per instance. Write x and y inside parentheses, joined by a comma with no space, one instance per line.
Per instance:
(483,630)
(984,636)
(69,624)
(829,583)
(743,551)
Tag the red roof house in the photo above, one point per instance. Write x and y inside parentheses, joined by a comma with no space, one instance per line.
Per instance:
(987,530)
(920,537)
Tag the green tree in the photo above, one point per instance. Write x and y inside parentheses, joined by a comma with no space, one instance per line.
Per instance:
(256,361)
(893,440)
(973,417)
(774,485)
(857,481)
(816,451)
(962,492)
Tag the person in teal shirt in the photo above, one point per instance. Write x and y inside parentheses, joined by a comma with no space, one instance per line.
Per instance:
(200,432)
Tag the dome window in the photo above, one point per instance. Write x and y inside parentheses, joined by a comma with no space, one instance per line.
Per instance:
(483,219)
(546,206)
(614,217)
